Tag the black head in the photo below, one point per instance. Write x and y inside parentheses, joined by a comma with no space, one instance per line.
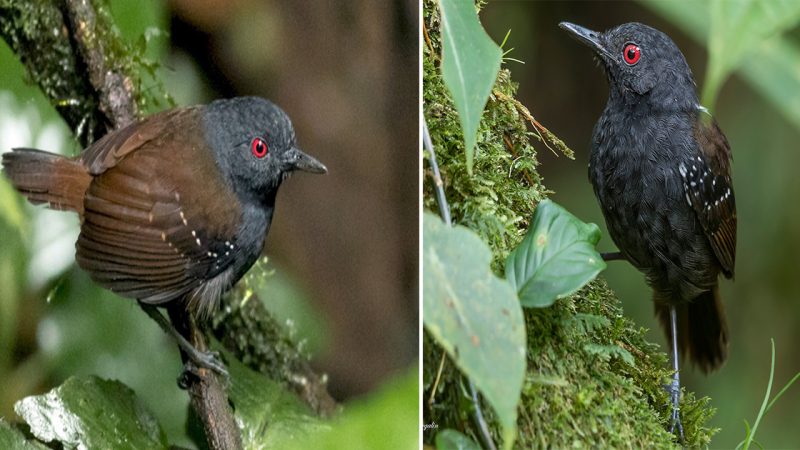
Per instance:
(639,60)
(254,144)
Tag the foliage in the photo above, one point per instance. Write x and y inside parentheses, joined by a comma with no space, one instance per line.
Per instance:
(556,258)
(750,433)
(741,30)
(470,61)
(478,335)
(591,376)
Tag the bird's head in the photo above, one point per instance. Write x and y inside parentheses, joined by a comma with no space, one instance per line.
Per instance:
(639,60)
(255,144)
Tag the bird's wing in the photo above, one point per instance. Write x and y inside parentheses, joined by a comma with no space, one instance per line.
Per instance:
(147,235)
(709,190)
(112,148)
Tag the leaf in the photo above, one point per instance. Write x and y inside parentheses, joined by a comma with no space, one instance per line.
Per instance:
(11,207)
(453,440)
(386,419)
(737,28)
(268,415)
(474,316)
(11,438)
(774,73)
(556,258)
(89,412)
(470,63)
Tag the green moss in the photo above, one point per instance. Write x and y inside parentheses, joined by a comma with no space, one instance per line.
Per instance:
(592,378)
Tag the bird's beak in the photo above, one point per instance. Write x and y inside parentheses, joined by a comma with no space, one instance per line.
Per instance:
(299,160)
(587,37)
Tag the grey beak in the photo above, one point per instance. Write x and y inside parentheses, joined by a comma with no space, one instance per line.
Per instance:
(587,37)
(298,160)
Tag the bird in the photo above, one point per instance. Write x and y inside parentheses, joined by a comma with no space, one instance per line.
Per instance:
(175,208)
(660,168)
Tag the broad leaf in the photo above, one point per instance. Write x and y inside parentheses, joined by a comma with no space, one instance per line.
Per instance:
(268,416)
(89,412)
(385,419)
(11,438)
(474,316)
(454,440)
(773,73)
(470,63)
(556,258)
(737,28)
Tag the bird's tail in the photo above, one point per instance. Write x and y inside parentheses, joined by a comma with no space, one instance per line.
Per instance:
(702,329)
(47,178)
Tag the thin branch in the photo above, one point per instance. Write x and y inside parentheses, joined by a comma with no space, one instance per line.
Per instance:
(206,392)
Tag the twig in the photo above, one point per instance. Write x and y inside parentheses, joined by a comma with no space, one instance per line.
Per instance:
(444,210)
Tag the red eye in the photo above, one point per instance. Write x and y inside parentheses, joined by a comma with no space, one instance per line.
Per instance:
(259,147)
(631,54)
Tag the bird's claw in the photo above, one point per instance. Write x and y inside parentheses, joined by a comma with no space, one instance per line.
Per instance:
(209,360)
(675,418)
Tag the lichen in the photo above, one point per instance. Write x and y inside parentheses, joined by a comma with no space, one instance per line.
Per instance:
(592,378)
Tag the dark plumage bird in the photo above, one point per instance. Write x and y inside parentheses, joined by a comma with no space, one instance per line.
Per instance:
(660,168)
(176,207)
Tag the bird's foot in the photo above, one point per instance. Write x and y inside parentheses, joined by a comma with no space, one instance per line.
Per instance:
(612,256)
(674,390)
(198,360)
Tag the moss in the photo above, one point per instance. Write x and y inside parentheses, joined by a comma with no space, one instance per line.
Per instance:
(592,378)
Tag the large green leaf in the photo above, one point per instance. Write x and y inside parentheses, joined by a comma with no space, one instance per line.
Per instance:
(470,63)
(386,419)
(556,258)
(268,415)
(11,438)
(474,316)
(454,440)
(737,28)
(89,412)
(775,71)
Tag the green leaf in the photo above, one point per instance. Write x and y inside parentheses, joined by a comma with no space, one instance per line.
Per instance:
(454,440)
(556,258)
(774,73)
(386,419)
(268,415)
(737,28)
(89,412)
(11,438)
(474,316)
(470,63)
(11,207)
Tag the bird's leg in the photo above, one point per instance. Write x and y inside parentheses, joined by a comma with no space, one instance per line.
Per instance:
(674,388)
(196,359)
(612,256)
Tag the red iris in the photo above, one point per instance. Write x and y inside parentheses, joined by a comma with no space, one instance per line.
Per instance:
(259,147)
(631,54)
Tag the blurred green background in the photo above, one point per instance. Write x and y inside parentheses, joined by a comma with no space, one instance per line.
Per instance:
(566,91)
(343,248)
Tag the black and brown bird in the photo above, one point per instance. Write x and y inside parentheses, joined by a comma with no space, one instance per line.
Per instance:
(660,168)
(174,209)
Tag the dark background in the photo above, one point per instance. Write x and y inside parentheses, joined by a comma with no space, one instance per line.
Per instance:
(343,247)
(566,92)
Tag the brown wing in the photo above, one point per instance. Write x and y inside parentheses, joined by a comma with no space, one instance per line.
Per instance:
(709,190)
(109,150)
(153,231)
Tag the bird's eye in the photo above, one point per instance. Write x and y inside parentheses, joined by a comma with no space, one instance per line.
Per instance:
(631,54)
(259,147)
